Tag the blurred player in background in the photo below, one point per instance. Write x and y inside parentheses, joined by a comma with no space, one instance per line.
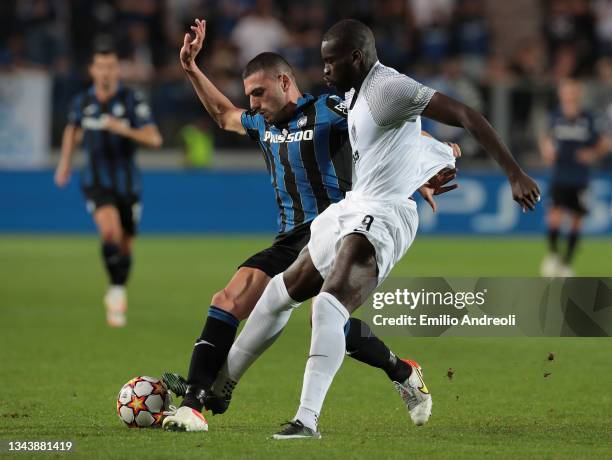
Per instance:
(572,145)
(303,140)
(110,120)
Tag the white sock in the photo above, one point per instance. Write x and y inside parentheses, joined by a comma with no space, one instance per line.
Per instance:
(263,327)
(327,347)
(116,290)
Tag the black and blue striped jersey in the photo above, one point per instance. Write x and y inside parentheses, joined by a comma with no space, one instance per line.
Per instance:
(110,159)
(569,136)
(308,157)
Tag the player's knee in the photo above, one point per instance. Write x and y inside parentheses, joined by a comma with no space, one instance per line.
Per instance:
(110,236)
(225,301)
(576,224)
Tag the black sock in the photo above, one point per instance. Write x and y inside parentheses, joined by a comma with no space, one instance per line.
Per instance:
(364,346)
(209,354)
(117,265)
(572,242)
(123,268)
(553,239)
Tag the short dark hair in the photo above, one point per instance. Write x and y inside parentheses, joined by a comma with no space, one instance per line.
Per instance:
(350,34)
(103,45)
(268,61)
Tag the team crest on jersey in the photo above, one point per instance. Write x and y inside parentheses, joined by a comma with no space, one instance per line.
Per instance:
(143,110)
(336,104)
(89,110)
(118,110)
(302,121)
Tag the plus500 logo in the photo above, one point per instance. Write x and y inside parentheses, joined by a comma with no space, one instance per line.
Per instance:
(298,136)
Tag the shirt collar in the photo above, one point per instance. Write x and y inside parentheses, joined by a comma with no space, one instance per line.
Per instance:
(371,71)
(305,99)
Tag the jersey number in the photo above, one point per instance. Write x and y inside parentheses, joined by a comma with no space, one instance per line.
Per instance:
(367,222)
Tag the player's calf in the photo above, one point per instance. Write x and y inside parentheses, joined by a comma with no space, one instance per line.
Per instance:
(363,345)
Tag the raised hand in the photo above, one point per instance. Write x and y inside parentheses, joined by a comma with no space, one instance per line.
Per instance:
(437,185)
(191,47)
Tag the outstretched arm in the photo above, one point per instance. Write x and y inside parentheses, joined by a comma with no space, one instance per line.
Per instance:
(220,108)
(451,112)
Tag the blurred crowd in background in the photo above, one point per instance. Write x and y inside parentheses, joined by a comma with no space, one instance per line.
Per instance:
(503,58)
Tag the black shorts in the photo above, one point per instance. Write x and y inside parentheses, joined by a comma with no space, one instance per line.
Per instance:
(569,197)
(284,250)
(128,206)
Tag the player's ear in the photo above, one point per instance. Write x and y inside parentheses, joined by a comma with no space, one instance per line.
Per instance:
(357,57)
(285,82)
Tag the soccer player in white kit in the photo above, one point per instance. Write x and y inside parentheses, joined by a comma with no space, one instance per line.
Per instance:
(355,243)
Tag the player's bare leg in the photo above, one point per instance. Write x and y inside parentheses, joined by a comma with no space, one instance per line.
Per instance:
(551,264)
(114,245)
(228,307)
(352,277)
(242,292)
(351,280)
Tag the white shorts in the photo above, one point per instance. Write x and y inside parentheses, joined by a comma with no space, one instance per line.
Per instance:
(389,226)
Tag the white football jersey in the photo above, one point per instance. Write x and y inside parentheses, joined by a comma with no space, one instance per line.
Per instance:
(391,157)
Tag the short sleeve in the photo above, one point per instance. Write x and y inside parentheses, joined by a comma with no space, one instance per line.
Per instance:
(75,114)
(250,122)
(338,112)
(141,115)
(397,98)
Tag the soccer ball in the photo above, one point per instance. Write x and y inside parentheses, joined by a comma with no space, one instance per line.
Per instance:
(142,402)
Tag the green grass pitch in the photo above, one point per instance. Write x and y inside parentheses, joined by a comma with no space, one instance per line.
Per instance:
(61,366)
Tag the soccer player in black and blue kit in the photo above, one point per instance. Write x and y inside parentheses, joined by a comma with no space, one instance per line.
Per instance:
(304,141)
(571,147)
(110,119)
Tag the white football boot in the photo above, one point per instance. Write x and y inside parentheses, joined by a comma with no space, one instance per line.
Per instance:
(565,271)
(550,266)
(415,394)
(116,306)
(184,419)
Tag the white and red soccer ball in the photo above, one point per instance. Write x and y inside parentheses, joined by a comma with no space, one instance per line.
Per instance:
(142,401)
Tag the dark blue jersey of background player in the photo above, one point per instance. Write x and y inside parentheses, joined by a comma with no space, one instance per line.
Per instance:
(571,136)
(307,157)
(110,156)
